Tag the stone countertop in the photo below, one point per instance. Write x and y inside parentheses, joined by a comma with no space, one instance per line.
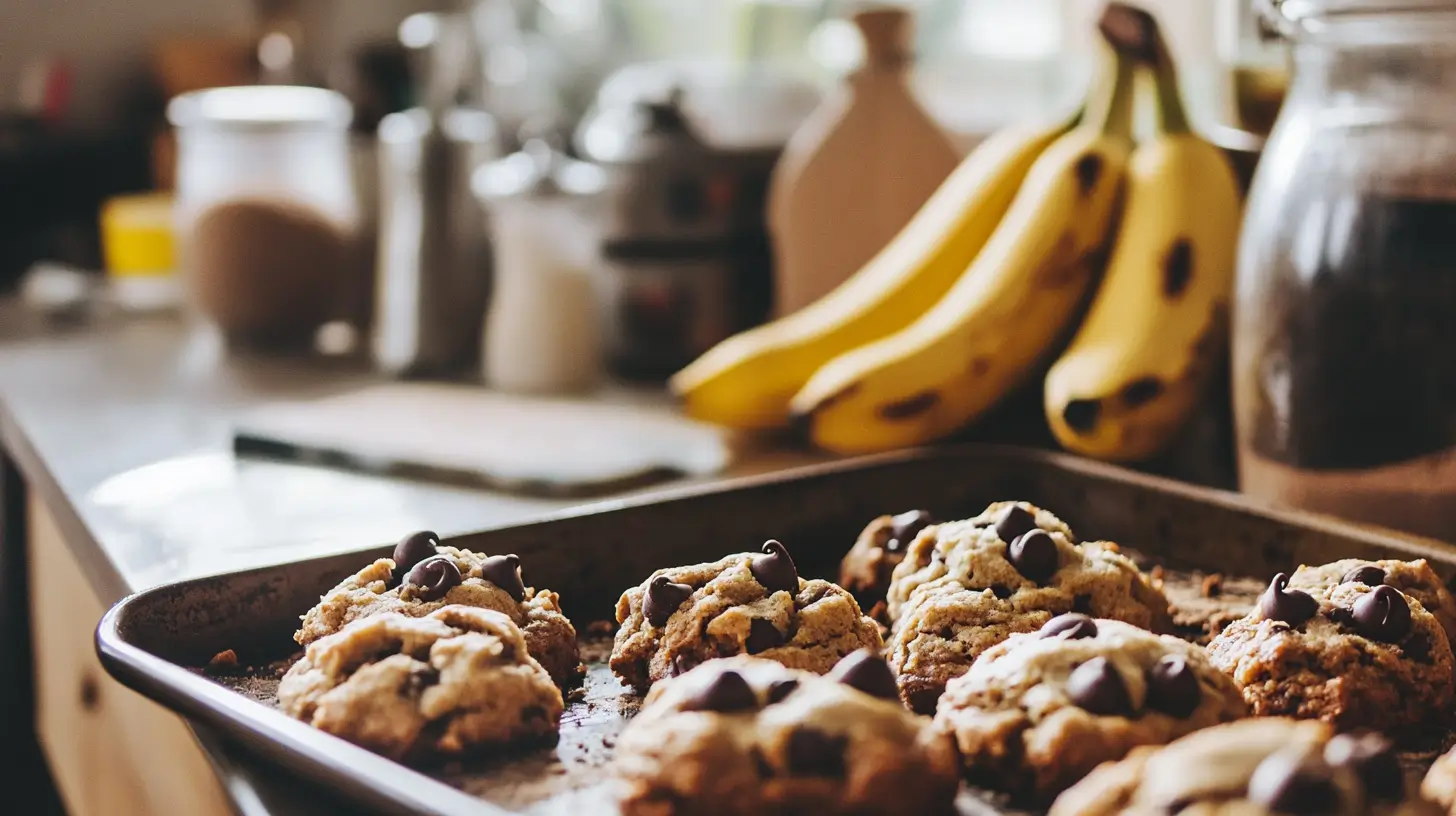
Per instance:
(122,429)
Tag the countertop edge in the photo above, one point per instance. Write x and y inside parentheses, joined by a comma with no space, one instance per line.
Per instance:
(105,580)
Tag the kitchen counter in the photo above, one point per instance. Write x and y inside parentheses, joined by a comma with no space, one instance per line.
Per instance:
(118,437)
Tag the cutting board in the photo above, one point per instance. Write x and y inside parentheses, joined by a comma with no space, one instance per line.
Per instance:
(475,437)
(856,171)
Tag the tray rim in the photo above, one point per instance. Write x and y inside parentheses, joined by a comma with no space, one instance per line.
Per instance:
(396,788)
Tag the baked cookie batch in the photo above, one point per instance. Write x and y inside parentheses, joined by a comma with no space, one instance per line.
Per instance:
(999,650)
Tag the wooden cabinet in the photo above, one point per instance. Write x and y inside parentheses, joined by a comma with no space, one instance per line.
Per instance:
(111,751)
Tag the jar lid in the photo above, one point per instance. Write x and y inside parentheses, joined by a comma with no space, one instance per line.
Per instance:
(1295,16)
(538,170)
(261,107)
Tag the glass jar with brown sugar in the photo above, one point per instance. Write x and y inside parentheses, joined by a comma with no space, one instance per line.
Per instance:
(268,220)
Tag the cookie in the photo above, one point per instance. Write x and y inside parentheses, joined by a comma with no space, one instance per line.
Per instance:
(866,569)
(1414,578)
(1251,768)
(1439,785)
(424,576)
(744,735)
(748,603)
(452,682)
(966,586)
(1038,711)
(1350,654)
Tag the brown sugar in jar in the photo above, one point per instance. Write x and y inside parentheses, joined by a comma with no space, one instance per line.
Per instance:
(269,272)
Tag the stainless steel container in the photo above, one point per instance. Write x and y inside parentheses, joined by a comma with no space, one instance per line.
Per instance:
(433,273)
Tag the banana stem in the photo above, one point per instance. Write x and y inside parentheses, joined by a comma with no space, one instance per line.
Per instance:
(1172,115)
(1111,111)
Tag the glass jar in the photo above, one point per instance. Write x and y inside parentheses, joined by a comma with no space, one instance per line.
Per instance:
(267,213)
(1344,347)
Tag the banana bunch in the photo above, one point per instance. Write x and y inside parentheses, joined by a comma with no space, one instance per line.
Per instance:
(990,279)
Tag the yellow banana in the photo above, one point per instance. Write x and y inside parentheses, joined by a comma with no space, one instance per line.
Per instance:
(1135,371)
(1001,318)
(747,380)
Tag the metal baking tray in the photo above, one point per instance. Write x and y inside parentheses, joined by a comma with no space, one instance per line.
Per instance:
(157,642)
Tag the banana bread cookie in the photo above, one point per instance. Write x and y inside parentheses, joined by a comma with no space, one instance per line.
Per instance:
(1038,711)
(745,735)
(416,688)
(1439,785)
(424,576)
(967,585)
(1414,578)
(748,603)
(866,569)
(1354,655)
(1252,767)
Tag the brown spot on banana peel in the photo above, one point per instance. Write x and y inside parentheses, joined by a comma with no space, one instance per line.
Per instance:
(979,367)
(1141,391)
(1089,171)
(1177,269)
(910,407)
(1081,415)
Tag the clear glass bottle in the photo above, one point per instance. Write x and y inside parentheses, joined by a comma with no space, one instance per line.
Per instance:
(1345,311)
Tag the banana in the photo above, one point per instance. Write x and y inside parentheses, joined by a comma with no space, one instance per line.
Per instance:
(1137,368)
(1001,318)
(747,380)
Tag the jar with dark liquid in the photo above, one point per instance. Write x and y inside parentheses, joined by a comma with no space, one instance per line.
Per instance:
(1345,312)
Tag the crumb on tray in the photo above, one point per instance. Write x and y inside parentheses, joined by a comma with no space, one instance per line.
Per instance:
(1212,585)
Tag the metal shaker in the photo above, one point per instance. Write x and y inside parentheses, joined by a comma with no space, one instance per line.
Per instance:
(433,266)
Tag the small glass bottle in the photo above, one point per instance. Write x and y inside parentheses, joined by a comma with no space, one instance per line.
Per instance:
(544,326)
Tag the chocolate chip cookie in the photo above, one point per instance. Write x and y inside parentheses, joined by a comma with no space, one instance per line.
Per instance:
(1254,767)
(965,586)
(1038,711)
(1354,655)
(1413,578)
(866,569)
(424,576)
(456,680)
(748,603)
(1439,785)
(745,735)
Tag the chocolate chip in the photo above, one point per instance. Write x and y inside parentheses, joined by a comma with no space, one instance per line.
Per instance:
(1034,555)
(1070,626)
(1173,687)
(762,636)
(663,598)
(433,577)
(412,549)
(1000,591)
(1289,605)
(1382,614)
(904,528)
(779,689)
(1015,521)
(1082,603)
(1369,575)
(1096,686)
(868,672)
(505,572)
(1373,759)
(1290,783)
(811,752)
(728,692)
(775,569)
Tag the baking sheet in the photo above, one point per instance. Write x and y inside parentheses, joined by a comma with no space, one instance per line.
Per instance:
(1193,538)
